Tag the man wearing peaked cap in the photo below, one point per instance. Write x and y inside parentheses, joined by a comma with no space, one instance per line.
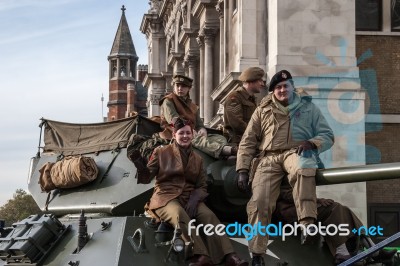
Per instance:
(241,103)
(179,105)
(286,131)
(181,79)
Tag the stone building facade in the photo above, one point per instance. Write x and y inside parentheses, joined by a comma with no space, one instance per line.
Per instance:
(319,41)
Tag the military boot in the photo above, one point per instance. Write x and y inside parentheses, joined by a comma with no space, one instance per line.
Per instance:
(257,260)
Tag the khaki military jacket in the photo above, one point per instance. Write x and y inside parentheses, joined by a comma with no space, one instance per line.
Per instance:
(238,108)
(174,180)
(270,129)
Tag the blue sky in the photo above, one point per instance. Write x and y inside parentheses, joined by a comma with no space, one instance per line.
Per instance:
(53,64)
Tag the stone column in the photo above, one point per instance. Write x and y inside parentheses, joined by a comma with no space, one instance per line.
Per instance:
(154,98)
(118,70)
(209,35)
(230,7)
(192,66)
(168,83)
(110,70)
(200,41)
(128,68)
(220,9)
(250,35)
(131,98)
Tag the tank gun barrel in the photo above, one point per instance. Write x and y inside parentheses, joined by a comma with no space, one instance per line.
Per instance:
(359,173)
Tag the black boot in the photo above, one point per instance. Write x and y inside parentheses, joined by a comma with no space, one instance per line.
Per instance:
(384,255)
(257,260)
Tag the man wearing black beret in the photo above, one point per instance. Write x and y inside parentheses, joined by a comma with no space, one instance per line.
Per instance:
(285,133)
(282,75)
(241,103)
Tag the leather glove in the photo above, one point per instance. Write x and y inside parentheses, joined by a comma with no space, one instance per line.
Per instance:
(243,182)
(193,203)
(324,202)
(305,149)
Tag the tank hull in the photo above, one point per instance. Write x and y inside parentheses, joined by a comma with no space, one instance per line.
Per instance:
(111,246)
(113,201)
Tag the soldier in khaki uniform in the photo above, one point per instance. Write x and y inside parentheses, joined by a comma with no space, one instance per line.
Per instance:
(178,196)
(329,213)
(241,103)
(178,104)
(286,129)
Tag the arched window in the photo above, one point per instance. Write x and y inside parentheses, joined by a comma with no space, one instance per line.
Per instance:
(113,73)
(122,71)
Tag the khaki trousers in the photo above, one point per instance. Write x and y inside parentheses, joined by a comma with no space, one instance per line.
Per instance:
(266,187)
(214,246)
(337,214)
(211,145)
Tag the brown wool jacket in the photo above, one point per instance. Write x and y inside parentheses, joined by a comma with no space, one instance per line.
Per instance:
(173,179)
(238,109)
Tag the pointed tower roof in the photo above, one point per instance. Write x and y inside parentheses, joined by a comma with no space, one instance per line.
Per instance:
(123,44)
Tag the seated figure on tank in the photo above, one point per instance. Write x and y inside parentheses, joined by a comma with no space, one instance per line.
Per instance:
(284,135)
(329,212)
(178,104)
(178,196)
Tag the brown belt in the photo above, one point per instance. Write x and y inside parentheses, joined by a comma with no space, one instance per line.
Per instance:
(272,152)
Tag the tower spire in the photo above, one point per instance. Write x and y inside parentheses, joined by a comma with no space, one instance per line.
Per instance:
(122,67)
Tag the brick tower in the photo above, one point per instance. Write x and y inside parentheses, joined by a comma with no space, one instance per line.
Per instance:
(122,70)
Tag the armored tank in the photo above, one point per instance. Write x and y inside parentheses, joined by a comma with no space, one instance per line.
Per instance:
(103,222)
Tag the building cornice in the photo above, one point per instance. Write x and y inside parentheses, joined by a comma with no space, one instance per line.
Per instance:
(200,5)
(147,20)
(229,83)
(187,33)
(174,56)
(216,121)
(149,77)
(123,56)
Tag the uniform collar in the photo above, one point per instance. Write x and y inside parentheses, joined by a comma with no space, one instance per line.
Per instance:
(246,94)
